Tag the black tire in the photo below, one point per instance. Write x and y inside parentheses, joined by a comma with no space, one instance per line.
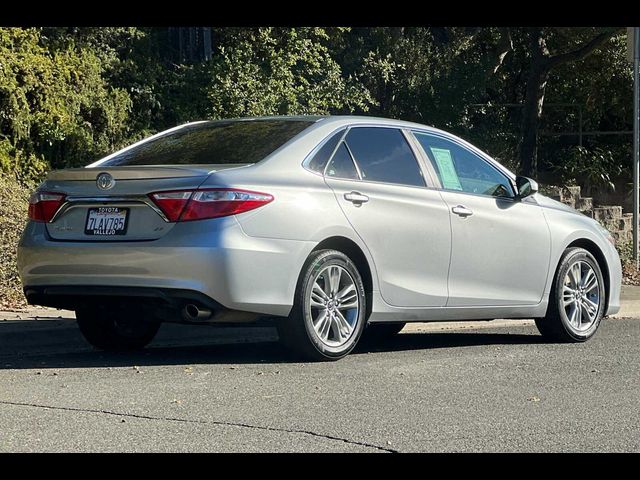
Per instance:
(116,330)
(297,333)
(555,326)
(381,331)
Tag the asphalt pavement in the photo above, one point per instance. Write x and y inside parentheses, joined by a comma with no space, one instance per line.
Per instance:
(486,386)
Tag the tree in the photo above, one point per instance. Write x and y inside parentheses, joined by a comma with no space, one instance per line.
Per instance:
(542,63)
(278,71)
(56,106)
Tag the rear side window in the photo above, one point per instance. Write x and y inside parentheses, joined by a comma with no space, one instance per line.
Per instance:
(383,155)
(217,142)
(320,159)
(341,165)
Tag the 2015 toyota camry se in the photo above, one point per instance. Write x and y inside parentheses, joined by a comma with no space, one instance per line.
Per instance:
(327,225)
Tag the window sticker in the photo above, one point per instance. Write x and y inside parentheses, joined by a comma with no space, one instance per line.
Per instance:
(448,174)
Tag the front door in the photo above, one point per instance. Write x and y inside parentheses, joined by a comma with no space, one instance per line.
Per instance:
(500,245)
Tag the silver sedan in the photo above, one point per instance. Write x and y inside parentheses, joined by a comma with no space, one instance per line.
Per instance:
(333,227)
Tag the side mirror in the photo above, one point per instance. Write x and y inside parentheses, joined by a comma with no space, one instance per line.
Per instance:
(526,187)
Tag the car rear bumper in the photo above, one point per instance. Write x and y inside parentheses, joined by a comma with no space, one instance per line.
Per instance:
(214,258)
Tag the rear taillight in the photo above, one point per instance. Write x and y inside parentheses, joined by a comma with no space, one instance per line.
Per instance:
(187,205)
(172,203)
(44,205)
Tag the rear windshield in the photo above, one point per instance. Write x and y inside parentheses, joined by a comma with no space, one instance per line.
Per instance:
(216,142)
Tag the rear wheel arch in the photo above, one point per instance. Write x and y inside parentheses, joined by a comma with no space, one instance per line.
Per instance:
(322,335)
(352,250)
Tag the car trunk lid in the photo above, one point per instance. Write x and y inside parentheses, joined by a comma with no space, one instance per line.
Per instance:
(118,208)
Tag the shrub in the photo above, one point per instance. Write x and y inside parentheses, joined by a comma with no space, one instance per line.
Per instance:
(14,198)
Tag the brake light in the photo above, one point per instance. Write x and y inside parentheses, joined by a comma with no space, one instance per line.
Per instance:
(44,205)
(187,205)
(171,203)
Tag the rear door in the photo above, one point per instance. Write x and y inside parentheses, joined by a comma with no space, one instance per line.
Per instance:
(500,245)
(384,193)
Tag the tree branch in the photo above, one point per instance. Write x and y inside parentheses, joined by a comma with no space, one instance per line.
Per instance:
(583,51)
(504,46)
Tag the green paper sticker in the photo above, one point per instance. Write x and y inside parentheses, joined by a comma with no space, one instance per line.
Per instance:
(448,174)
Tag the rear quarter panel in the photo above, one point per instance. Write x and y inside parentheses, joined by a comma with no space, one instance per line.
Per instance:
(304,211)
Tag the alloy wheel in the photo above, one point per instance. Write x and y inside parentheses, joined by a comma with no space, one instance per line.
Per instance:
(581,296)
(333,305)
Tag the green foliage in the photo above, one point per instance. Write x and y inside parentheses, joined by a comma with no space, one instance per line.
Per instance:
(14,199)
(602,85)
(625,250)
(273,71)
(25,167)
(594,168)
(69,95)
(55,104)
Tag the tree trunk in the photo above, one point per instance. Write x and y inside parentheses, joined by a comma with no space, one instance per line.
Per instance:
(532,111)
(533,100)
(541,64)
(396,34)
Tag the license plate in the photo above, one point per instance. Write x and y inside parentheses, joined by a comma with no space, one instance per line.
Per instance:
(106,221)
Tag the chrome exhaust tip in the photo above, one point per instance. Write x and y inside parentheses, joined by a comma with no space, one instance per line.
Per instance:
(192,312)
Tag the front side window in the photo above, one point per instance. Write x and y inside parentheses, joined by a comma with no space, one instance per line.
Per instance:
(215,142)
(462,170)
(383,155)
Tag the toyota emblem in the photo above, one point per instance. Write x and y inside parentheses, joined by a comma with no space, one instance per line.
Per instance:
(105,181)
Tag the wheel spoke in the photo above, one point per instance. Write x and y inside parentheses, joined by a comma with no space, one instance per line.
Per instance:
(333,327)
(344,326)
(317,289)
(575,272)
(319,323)
(591,308)
(575,315)
(348,305)
(335,273)
(348,298)
(346,292)
(337,331)
(570,279)
(590,281)
(326,290)
(316,303)
(318,296)
(326,326)
(319,319)
(567,295)
(585,314)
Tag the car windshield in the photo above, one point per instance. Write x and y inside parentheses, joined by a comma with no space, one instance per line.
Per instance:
(214,142)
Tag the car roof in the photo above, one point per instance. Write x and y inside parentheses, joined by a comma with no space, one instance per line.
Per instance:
(339,120)
(371,120)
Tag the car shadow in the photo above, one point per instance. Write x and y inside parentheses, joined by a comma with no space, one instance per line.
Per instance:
(450,339)
(57,343)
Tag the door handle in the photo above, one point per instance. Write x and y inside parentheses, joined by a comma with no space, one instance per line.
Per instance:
(462,211)
(356,198)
